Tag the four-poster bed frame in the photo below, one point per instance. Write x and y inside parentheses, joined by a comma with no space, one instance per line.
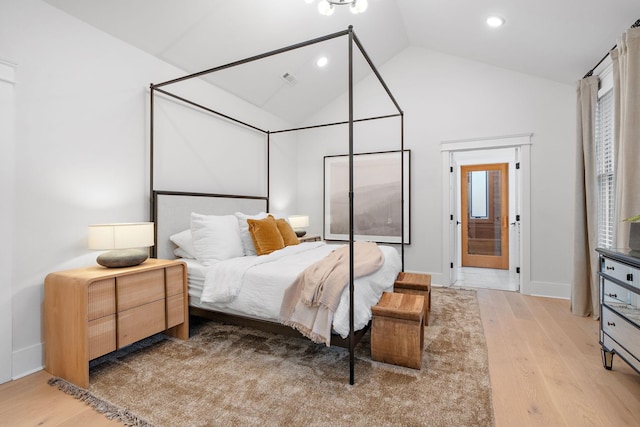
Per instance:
(159,88)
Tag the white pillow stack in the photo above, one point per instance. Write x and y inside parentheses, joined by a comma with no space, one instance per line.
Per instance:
(216,237)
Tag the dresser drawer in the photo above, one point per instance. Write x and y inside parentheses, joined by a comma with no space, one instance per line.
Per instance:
(175,310)
(621,300)
(102,336)
(175,280)
(621,330)
(140,322)
(628,357)
(140,288)
(620,271)
(613,293)
(102,298)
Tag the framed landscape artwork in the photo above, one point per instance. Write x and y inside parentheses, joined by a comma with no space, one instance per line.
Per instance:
(376,193)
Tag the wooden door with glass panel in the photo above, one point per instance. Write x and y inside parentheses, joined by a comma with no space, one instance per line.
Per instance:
(485,210)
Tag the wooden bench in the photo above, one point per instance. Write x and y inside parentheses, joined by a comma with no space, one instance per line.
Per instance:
(397,333)
(417,284)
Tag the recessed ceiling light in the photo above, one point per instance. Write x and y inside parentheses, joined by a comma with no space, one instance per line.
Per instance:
(322,61)
(495,21)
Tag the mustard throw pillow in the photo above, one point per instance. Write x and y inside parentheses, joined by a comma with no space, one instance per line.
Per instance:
(288,235)
(265,235)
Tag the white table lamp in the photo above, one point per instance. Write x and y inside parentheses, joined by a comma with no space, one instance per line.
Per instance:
(124,242)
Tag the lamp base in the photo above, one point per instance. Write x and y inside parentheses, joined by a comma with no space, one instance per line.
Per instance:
(300,233)
(122,258)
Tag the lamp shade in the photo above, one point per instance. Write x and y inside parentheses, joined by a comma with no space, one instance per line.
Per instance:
(121,235)
(299,221)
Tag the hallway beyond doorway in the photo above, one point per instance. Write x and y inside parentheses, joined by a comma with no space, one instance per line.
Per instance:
(486,278)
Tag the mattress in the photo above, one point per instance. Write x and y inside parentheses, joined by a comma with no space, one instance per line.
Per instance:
(262,283)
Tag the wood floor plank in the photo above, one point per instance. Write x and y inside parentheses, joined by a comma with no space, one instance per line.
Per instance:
(511,366)
(565,349)
(556,358)
(31,401)
(582,354)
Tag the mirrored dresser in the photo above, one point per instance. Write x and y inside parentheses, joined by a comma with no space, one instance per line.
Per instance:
(619,273)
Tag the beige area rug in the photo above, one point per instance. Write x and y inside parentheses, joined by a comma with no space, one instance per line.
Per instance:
(232,376)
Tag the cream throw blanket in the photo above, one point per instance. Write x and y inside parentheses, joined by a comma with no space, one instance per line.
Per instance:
(310,301)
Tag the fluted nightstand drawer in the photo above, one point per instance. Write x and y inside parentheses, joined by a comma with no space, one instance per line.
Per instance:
(102,336)
(175,310)
(141,288)
(175,280)
(140,322)
(102,298)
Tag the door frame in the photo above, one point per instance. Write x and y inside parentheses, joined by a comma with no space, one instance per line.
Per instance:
(450,209)
(501,261)
(7,216)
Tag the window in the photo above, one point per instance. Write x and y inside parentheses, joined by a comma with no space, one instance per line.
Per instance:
(478,194)
(605,170)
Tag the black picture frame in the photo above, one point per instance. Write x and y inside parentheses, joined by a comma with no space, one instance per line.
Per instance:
(377,197)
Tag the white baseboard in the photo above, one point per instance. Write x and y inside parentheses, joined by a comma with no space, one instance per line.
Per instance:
(436,278)
(539,289)
(551,290)
(28,360)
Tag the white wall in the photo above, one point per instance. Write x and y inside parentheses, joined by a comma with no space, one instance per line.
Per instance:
(80,149)
(449,98)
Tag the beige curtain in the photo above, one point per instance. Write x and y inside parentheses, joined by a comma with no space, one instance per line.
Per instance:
(626,85)
(584,289)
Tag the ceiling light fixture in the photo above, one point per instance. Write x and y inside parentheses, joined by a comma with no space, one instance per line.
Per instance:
(326,7)
(322,61)
(495,21)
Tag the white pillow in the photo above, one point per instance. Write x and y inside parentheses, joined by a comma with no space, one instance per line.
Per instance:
(215,237)
(184,242)
(245,236)
(181,253)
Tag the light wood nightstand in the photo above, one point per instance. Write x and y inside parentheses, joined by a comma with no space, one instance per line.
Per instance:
(89,312)
(306,238)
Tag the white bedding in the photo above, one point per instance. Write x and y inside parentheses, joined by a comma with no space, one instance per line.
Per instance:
(254,285)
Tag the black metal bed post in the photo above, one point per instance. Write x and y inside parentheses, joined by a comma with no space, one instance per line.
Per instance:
(268,168)
(152,194)
(402,188)
(351,251)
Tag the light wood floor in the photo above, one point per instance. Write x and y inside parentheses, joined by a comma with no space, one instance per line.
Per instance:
(546,368)
(544,362)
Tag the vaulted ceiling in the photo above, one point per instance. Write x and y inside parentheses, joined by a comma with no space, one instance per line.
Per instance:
(558,40)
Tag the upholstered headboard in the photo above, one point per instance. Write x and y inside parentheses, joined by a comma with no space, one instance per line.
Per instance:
(173,213)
